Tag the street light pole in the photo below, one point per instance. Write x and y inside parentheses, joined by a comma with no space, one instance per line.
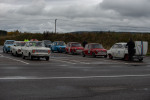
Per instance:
(55,25)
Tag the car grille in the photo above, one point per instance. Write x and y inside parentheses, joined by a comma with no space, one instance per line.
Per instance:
(102,53)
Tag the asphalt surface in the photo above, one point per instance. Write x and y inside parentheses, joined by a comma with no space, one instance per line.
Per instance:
(73,77)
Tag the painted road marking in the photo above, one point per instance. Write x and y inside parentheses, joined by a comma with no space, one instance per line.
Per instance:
(16,60)
(78,77)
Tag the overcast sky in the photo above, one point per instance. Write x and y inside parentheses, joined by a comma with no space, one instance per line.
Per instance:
(75,15)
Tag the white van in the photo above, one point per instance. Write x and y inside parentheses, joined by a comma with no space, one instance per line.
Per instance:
(120,50)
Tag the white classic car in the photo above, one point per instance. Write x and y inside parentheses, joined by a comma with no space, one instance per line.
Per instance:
(15,49)
(35,49)
(120,50)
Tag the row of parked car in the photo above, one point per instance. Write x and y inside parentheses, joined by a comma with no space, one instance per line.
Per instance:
(42,49)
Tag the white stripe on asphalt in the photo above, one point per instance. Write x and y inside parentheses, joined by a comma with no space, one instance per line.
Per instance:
(80,77)
(17,60)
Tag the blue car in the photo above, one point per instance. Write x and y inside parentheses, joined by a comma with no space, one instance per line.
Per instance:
(7,44)
(58,46)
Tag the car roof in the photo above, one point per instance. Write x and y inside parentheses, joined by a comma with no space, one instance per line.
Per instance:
(19,41)
(10,40)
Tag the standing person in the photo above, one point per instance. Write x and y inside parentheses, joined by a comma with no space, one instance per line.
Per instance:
(84,43)
(131,50)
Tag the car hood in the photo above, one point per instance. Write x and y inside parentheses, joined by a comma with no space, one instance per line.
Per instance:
(81,48)
(61,46)
(40,48)
(97,49)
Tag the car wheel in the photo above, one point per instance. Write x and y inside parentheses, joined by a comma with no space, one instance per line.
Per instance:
(72,52)
(110,56)
(141,59)
(38,58)
(93,54)
(12,53)
(30,57)
(126,57)
(16,54)
(23,56)
(83,54)
(47,58)
(105,56)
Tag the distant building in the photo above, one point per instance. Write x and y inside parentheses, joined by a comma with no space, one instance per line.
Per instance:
(3,33)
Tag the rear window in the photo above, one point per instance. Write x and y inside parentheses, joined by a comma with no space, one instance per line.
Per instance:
(76,45)
(99,46)
(9,42)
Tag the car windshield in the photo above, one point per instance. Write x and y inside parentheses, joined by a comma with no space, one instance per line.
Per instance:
(36,44)
(97,46)
(9,42)
(47,42)
(20,43)
(61,43)
(76,45)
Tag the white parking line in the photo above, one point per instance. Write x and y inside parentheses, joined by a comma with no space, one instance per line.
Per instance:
(15,60)
(78,77)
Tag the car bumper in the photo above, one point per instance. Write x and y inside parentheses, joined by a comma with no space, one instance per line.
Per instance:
(101,54)
(78,51)
(41,55)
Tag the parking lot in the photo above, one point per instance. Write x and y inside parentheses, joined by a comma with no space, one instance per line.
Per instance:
(73,77)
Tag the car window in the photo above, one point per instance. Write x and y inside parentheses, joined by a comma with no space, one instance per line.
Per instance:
(120,46)
(76,45)
(36,44)
(97,46)
(20,43)
(115,46)
(61,43)
(9,42)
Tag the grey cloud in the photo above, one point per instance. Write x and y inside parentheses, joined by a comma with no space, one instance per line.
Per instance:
(133,8)
(35,8)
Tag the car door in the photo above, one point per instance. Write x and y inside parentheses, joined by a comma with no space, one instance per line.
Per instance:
(120,51)
(113,50)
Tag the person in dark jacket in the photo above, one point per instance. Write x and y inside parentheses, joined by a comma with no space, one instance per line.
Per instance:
(131,50)
(84,43)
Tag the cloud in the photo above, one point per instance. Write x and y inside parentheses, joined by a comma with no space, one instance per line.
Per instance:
(133,8)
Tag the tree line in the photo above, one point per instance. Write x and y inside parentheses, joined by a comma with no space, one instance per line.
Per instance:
(107,39)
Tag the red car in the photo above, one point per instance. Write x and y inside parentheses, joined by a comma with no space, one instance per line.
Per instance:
(74,48)
(94,49)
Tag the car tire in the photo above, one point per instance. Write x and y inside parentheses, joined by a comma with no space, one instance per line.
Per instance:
(23,57)
(105,56)
(110,56)
(72,52)
(16,54)
(126,57)
(30,57)
(83,54)
(93,54)
(12,53)
(141,59)
(47,58)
